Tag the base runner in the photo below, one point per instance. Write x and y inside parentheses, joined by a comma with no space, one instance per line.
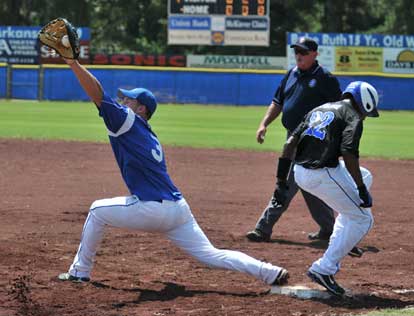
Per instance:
(328,132)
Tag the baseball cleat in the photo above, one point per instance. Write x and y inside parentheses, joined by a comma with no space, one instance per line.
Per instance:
(356,252)
(68,277)
(258,236)
(282,277)
(319,236)
(327,281)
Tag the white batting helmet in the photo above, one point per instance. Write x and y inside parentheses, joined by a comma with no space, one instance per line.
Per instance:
(365,96)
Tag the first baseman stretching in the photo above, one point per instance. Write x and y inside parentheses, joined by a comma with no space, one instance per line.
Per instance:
(155,203)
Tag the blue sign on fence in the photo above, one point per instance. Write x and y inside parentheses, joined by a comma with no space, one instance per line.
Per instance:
(347,39)
(19,45)
(189,23)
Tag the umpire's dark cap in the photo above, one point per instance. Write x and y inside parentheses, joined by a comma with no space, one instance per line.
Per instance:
(142,95)
(306,43)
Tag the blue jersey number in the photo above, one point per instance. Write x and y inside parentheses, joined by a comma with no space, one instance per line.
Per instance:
(157,152)
(318,121)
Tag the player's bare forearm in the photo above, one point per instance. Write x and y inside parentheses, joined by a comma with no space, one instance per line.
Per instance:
(88,82)
(352,165)
(272,113)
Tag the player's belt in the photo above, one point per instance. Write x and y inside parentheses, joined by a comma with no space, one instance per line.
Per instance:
(307,166)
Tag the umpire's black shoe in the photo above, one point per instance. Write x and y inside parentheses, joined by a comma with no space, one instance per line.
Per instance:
(258,236)
(327,281)
(319,236)
(282,277)
(68,277)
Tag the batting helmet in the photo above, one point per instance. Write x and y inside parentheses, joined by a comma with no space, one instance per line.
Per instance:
(365,96)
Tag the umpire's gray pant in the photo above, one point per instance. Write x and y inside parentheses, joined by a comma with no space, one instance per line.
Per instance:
(321,213)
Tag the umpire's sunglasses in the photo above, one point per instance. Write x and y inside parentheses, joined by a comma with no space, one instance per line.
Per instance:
(300,51)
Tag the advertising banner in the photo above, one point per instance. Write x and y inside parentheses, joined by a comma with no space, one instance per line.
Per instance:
(360,52)
(186,30)
(139,60)
(364,40)
(218,22)
(241,31)
(246,31)
(358,59)
(236,61)
(398,60)
(19,45)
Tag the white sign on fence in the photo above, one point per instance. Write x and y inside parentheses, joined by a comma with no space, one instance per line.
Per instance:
(236,61)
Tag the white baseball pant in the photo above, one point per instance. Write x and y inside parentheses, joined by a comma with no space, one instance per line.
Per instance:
(336,188)
(172,218)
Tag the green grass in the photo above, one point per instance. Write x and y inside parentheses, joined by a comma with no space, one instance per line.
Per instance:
(392,312)
(229,127)
(50,120)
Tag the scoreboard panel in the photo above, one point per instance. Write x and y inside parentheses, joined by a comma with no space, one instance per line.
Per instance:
(219,22)
(220,7)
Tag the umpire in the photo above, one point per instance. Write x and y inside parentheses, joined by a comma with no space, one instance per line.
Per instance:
(304,87)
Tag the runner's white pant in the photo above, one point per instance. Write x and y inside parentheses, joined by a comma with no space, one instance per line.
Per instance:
(337,189)
(175,220)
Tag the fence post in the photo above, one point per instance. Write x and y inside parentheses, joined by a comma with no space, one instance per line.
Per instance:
(41,83)
(9,82)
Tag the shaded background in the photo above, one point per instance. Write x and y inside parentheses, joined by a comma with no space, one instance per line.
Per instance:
(130,26)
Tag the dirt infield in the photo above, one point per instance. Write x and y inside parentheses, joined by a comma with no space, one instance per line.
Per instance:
(47,187)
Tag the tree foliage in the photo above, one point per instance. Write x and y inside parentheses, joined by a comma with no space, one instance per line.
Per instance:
(140,26)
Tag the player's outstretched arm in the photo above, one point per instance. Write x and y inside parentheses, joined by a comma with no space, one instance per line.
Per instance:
(62,37)
(89,83)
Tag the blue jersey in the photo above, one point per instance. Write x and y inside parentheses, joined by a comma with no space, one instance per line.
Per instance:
(138,153)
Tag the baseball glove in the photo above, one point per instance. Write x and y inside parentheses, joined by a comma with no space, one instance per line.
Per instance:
(52,34)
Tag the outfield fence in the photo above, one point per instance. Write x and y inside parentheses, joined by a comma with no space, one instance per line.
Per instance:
(184,85)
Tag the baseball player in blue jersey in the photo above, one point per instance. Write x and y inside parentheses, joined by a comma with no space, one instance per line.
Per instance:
(328,132)
(155,203)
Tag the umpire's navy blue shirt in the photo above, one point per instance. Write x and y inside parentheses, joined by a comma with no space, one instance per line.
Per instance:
(301,91)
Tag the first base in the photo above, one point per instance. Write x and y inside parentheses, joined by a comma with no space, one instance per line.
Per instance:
(300,291)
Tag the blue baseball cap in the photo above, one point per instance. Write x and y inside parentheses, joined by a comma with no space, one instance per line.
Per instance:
(142,95)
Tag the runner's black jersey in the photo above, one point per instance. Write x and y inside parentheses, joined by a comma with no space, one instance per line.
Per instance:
(326,132)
